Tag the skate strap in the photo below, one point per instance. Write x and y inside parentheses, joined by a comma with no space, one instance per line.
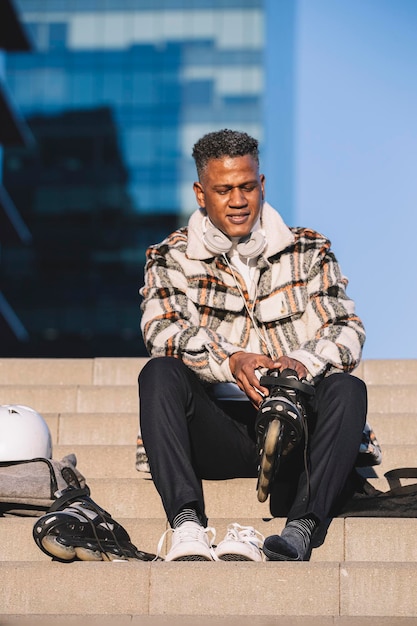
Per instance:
(288,383)
(67,495)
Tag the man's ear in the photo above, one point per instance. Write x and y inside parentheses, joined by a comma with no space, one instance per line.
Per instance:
(262,177)
(199,194)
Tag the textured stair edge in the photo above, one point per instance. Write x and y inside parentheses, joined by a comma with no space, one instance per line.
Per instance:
(391,399)
(213,589)
(378,589)
(64,371)
(388,371)
(125,370)
(132,497)
(144,534)
(108,460)
(190,620)
(122,428)
(158,588)
(347,539)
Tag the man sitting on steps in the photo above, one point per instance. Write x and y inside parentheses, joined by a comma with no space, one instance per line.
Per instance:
(234,293)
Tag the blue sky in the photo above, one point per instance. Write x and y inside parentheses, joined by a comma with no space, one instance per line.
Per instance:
(354,154)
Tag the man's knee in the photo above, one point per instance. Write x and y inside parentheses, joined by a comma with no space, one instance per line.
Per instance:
(345,382)
(159,369)
(344,389)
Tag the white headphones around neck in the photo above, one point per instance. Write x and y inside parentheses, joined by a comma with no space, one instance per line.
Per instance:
(217,242)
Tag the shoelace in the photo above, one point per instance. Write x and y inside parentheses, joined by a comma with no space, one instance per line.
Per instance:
(188,533)
(247,534)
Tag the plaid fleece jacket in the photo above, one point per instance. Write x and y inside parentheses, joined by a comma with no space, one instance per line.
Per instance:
(192,308)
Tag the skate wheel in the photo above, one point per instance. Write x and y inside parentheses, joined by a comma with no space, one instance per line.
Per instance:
(268,459)
(271,438)
(270,447)
(56,549)
(263,488)
(267,463)
(84,554)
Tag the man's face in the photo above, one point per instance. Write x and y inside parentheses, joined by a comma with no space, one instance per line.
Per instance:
(231,191)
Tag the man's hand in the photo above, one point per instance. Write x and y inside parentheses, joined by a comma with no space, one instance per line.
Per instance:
(243,366)
(285,362)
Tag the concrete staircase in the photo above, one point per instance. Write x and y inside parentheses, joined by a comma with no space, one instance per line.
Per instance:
(365,572)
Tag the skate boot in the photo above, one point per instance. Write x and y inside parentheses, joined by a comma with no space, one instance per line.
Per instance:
(280,424)
(76,528)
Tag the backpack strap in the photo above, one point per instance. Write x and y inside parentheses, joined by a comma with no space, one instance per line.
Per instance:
(394,475)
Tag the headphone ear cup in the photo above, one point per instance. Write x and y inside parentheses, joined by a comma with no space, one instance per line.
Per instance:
(216,241)
(219,243)
(252,246)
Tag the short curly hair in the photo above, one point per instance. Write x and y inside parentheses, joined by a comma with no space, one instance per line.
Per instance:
(223,143)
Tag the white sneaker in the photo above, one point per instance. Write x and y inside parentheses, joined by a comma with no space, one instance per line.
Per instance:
(190,542)
(241,543)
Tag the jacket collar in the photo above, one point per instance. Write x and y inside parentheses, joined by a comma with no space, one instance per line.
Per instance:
(278,235)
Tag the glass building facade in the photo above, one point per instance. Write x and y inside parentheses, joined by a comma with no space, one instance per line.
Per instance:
(115,93)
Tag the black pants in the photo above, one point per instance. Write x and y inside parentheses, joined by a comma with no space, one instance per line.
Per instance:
(188,436)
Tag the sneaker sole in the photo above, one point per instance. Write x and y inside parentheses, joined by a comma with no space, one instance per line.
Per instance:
(190,557)
(235,557)
(237,551)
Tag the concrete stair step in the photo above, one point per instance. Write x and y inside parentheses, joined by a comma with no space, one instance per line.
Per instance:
(137,497)
(389,372)
(97,371)
(395,428)
(119,460)
(350,539)
(216,589)
(97,461)
(17,543)
(66,398)
(164,588)
(392,399)
(394,456)
(124,371)
(206,620)
(121,428)
(93,428)
(72,398)
(365,570)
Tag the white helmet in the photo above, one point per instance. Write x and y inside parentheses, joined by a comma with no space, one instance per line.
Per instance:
(24,434)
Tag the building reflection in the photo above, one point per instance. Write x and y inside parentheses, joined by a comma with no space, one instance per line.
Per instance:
(76,285)
(114,94)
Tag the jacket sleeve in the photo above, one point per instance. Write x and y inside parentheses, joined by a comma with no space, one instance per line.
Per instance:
(335,334)
(171,323)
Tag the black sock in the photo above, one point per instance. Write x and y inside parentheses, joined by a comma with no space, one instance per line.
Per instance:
(294,542)
(187,514)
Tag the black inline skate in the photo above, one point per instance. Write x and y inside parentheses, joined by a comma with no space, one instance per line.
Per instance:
(76,528)
(280,423)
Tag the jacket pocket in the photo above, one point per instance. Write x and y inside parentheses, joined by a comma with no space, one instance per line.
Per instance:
(289,302)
